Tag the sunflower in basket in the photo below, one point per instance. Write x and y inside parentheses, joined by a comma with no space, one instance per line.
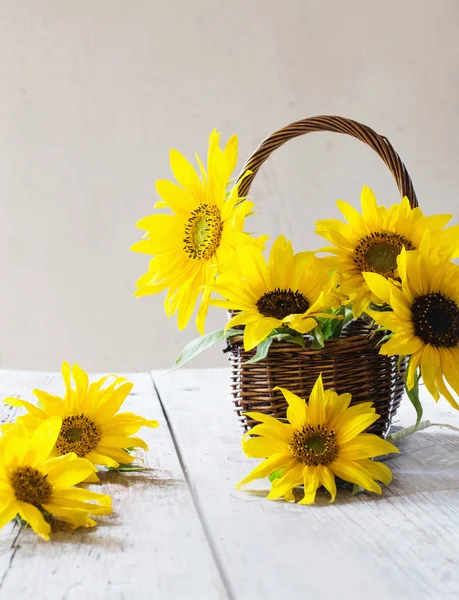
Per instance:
(424,319)
(370,242)
(206,225)
(290,291)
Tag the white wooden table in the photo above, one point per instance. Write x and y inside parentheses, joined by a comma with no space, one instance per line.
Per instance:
(180,530)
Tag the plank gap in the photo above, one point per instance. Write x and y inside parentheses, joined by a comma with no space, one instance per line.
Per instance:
(205,526)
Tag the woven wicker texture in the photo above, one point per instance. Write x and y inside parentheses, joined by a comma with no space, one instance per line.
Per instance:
(352,363)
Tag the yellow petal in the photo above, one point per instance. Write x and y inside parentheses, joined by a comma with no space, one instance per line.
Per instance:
(370,210)
(75,516)
(262,447)
(353,472)
(377,470)
(281,266)
(355,420)
(42,441)
(316,405)
(379,285)
(291,478)
(268,466)
(413,364)
(98,458)
(257,331)
(35,519)
(122,441)
(279,430)
(311,483)
(296,412)
(365,445)
(81,381)
(8,511)
(184,173)
(351,215)
(71,473)
(52,405)
(174,196)
(92,502)
(327,479)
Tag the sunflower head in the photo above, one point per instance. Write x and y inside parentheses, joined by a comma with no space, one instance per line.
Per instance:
(290,289)
(91,424)
(371,242)
(424,318)
(205,227)
(34,483)
(321,439)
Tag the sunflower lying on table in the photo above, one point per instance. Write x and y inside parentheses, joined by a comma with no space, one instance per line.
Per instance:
(321,439)
(58,444)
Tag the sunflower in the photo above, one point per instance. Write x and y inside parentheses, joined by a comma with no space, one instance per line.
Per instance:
(188,246)
(92,427)
(292,290)
(425,319)
(31,481)
(371,242)
(322,439)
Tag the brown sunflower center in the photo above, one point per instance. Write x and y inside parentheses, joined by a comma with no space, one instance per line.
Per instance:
(377,252)
(203,232)
(281,303)
(436,319)
(78,434)
(31,486)
(314,445)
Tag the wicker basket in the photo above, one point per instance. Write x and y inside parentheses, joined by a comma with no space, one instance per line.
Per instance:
(350,364)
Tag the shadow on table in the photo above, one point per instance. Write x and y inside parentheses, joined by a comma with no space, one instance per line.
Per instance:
(428,462)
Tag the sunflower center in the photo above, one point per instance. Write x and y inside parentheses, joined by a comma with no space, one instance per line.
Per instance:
(203,232)
(436,319)
(78,434)
(281,303)
(314,445)
(377,252)
(31,486)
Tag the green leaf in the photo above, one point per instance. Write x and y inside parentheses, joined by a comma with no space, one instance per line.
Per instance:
(326,327)
(126,468)
(289,336)
(202,343)
(356,489)
(317,338)
(338,325)
(413,395)
(262,351)
(233,333)
(276,474)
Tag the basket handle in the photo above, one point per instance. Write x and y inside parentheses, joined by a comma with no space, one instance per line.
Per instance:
(379,143)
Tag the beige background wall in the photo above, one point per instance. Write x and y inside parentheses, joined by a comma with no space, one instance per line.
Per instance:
(93,93)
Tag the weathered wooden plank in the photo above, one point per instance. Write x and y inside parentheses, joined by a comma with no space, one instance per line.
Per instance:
(153,546)
(404,544)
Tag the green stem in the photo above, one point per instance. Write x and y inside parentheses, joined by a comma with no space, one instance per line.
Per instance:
(399,435)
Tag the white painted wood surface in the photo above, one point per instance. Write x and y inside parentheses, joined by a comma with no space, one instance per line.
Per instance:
(404,544)
(180,530)
(152,547)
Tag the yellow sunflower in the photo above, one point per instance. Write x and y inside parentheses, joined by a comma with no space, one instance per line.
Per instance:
(322,439)
(291,289)
(206,226)
(31,481)
(371,242)
(425,318)
(92,427)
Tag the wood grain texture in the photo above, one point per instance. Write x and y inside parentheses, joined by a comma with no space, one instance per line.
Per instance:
(152,546)
(401,545)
